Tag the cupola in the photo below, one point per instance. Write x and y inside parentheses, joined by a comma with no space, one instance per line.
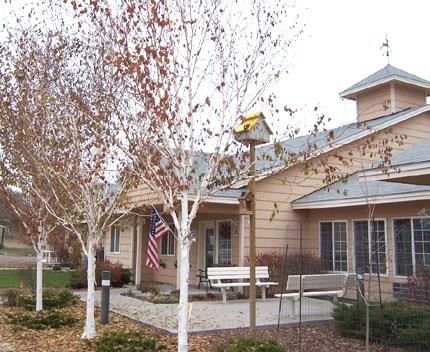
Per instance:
(387,91)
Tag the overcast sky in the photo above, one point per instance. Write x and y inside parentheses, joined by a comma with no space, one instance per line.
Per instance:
(341,45)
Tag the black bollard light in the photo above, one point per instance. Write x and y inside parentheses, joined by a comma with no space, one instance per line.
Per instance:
(104,307)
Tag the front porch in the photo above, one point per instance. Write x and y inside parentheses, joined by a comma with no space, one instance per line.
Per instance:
(219,233)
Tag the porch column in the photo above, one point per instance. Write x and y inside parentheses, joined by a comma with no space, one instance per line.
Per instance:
(241,239)
(138,274)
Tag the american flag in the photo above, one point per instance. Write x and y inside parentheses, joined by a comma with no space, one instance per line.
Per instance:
(157,228)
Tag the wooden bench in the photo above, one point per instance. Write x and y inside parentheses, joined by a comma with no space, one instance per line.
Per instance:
(331,285)
(229,277)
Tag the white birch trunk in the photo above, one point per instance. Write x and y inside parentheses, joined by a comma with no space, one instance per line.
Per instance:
(39,287)
(90,324)
(184,269)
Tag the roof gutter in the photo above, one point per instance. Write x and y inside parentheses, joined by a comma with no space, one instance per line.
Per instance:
(381,199)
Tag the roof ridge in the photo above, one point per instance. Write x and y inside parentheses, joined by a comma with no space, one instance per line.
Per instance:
(385,73)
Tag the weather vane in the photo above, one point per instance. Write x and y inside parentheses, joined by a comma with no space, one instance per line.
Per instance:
(386,47)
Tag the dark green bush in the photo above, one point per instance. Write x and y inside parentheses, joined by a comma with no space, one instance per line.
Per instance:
(51,300)
(41,320)
(249,344)
(126,276)
(124,341)
(400,325)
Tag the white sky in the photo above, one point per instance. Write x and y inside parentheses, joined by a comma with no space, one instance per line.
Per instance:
(341,45)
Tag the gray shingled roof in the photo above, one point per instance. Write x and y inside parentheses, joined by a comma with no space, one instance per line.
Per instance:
(267,158)
(386,72)
(418,153)
(354,189)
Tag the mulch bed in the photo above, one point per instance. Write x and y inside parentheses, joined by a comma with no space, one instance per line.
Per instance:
(314,338)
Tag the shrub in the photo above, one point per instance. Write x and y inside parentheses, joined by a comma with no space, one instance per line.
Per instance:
(51,300)
(124,341)
(11,297)
(119,276)
(41,320)
(165,299)
(116,272)
(126,276)
(249,344)
(148,287)
(402,325)
(79,278)
(418,286)
(294,264)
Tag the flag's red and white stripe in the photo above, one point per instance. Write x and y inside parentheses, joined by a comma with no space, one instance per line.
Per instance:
(157,229)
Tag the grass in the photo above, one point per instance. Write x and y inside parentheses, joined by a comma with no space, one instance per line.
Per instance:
(51,279)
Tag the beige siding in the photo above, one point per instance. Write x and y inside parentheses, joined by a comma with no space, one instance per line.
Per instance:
(374,102)
(291,184)
(142,195)
(125,246)
(407,96)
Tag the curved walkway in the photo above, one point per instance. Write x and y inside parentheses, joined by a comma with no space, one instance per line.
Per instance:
(210,316)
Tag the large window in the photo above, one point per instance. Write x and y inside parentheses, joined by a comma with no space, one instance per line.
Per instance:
(115,234)
(224,242)
(168,242)
(333,246)
(369,237)
(412,244)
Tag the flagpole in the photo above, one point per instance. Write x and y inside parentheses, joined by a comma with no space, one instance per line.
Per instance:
(162,219)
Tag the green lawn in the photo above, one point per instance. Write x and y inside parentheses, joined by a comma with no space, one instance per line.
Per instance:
(12,278)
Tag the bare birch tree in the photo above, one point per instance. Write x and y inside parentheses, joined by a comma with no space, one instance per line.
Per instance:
(57,107)
(37,225)
(191,69)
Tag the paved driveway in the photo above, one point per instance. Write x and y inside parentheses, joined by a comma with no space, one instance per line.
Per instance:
(11,261)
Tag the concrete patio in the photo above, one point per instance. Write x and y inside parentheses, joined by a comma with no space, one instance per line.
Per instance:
(213,315)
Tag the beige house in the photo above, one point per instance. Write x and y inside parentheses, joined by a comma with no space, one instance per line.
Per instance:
(297,204)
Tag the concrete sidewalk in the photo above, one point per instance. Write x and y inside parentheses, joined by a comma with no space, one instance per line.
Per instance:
(211,316)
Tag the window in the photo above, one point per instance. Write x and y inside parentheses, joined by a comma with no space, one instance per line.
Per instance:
(403,246)
(412,244)
(168,242)
(115,234)
(224,242)
(369,236)
(333,246)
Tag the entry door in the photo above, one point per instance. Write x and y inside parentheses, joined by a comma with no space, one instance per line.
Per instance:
(216,246)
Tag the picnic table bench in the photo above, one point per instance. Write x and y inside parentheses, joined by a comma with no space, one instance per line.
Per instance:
(331,285)
(229,277)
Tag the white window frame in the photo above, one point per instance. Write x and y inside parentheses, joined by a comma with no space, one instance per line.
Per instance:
(169,236)
(332,242)
(411,220)
(387,268)
(116,233)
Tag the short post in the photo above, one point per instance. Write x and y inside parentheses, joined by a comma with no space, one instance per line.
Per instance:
(104,308)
